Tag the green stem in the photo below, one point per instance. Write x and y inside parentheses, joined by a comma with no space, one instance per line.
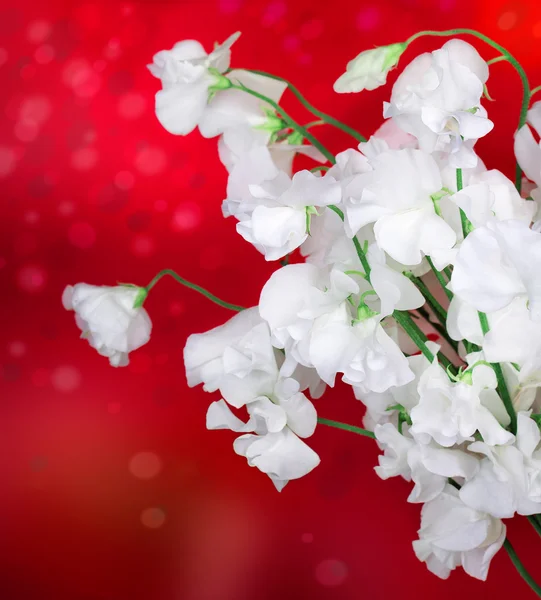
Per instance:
(535,523)
(293,124)
(325,117)
(510,58)
(438,309)
(419,338)
(440,278)
(498,59)
(192,286)
(439,328)
(319,168)
(535,90)
(502,386)
(346,427)
(466,225)
(314,123)
(521,568)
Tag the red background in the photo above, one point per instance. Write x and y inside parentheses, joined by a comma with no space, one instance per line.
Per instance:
(93,189)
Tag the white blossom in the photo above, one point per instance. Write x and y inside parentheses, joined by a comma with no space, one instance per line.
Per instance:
(438,100)
(188,74)
(498,263)
(527,149)
(397,197)
(453,534)
(108,320)
(509,480)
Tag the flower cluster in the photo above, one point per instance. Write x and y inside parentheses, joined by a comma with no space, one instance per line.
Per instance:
(405,234)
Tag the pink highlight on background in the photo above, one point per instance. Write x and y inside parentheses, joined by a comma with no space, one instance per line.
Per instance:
(368,18)
(229,7)
(274,12)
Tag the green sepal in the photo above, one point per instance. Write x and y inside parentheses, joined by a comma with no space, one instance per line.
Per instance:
(140,298)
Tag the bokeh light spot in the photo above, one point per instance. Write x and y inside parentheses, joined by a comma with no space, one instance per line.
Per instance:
(151,161)
(145,465)
(187,217)
(368,18)
(142,246)
(17,349)
(8,160)
(229,7)
(331,572)
(307,538)
(66,379)
(84,159)
(31,278)
(153,518)
(507,20)
(44,54)
(38,31)
(124,180)
(131,105)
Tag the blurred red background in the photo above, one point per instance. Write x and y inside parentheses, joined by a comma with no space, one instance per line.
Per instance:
(111,486)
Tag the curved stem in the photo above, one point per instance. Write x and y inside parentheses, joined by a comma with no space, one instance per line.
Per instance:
(498,59)
(535,90)
(318,113)
(192,286)
(535,523)
(509,57)
(521,568)
(438,309)
(314,124)
(319,168)
(346,427)
(293,124)
(502,386)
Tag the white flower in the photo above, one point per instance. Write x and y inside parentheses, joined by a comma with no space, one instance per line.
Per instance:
(278,420)
(453,534)
(277,217)
(369,69)
(509,480)
(498,263)
(237,358)
(238,141)
(108,319)
(396,196)
(428,466)
(527,150)
(231,109)
(492,196)
(437,99)
(450,413)
(188,74)
(315,317)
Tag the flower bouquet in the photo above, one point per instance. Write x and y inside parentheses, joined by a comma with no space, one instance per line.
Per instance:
(406,267)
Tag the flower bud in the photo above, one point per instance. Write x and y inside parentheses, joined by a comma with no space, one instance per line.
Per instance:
(369,69)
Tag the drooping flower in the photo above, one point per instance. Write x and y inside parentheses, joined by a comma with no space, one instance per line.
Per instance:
(453,534)
(369,69)
(271,440)
(438,100)
(109,319)
(188,74)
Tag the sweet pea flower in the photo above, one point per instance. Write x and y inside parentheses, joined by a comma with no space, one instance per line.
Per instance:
(428,466)
(497,263)
(188,75)
(397,197)
(369,69)
(509,480)
(109,319)
(453,534)
(437,99)
(276,422)
(450,413)
(276,217)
